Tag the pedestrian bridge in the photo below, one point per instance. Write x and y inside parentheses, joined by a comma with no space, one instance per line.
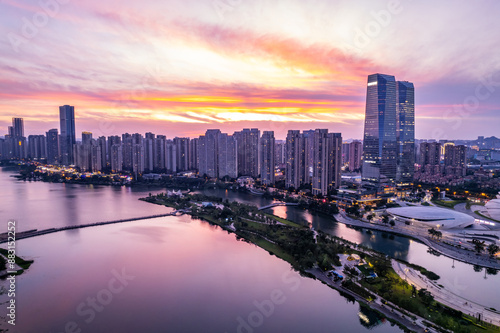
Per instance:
(278,204)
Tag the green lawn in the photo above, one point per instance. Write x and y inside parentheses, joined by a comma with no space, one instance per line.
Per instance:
(447,204)
(486,217)
(399,292)
(284,221)
(272,248)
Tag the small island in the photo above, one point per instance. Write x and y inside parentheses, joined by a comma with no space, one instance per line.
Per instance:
(358,273)
(20,265)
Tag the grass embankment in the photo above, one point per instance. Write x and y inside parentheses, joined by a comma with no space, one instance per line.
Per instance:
(420,302)
(429,274)
(448,204)
(284,221)
(486,217)
(472,203)
(296,245)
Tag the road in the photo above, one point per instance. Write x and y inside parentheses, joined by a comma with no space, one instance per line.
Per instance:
(445,296)
(421,234)
(396,315)
(461,208)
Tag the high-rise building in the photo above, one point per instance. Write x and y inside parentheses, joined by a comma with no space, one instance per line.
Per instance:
(159,152)
(116,157)
(95,156)
(355,153)
(389,135)
(138,162)
(68,137)
(2,149)
(101,142)
(405,127)
(37,147)
(53,156)
(248,152)
(208,153)
(280,152)
(308,147)
(170,156)
(327,161)
(380,140)
(86,138)
(18,127)
(81,156)
(267,163)
(17,140)
(345,154)
(127,143)
(295,159)
(193,154)
(227,156)
(430,157)
(148,143)
(455,160)
(182,153)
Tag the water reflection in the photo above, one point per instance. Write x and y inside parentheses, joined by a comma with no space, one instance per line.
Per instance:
(44,205)
(370,318)
(463,279)
(187,277)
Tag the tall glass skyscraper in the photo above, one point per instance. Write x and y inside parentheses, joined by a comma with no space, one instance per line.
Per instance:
(389,137)
(405,112)
(68,136)
(379,144)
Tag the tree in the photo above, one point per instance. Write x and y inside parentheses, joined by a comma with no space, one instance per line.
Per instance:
(392,223)
(478,245)
(425,296)
(370,217)
(432,232)
(385,219)
(353,210)
(492,249)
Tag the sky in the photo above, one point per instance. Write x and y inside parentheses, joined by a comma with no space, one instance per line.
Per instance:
(178,68)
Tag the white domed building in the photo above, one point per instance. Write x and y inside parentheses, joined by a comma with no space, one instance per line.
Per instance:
(432,217)
(493,208)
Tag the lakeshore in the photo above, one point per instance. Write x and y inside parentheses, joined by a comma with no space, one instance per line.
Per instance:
(290,243)
(440,247)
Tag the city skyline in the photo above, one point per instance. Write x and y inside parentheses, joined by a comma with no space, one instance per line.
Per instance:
(249,166)
(212,67)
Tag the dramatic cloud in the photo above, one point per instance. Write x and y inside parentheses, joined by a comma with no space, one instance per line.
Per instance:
(180,67)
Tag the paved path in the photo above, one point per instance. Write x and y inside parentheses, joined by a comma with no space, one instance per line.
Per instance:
(445,296)
(447,250)
(392,313)
(461,208)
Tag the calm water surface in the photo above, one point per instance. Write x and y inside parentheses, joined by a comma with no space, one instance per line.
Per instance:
(460,278)
(183,275)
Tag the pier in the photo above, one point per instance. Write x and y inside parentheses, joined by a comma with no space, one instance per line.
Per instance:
(35,232)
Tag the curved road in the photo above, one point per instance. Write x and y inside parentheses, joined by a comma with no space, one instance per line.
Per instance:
(445,296)
(461,208)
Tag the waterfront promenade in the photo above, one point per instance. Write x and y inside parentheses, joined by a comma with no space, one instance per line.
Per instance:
(459,254)
(446,296)
(394,312)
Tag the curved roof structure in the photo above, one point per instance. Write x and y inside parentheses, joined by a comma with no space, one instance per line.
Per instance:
(433,216)
(493,207)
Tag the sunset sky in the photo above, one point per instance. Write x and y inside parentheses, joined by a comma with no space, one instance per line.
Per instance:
(180,67)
